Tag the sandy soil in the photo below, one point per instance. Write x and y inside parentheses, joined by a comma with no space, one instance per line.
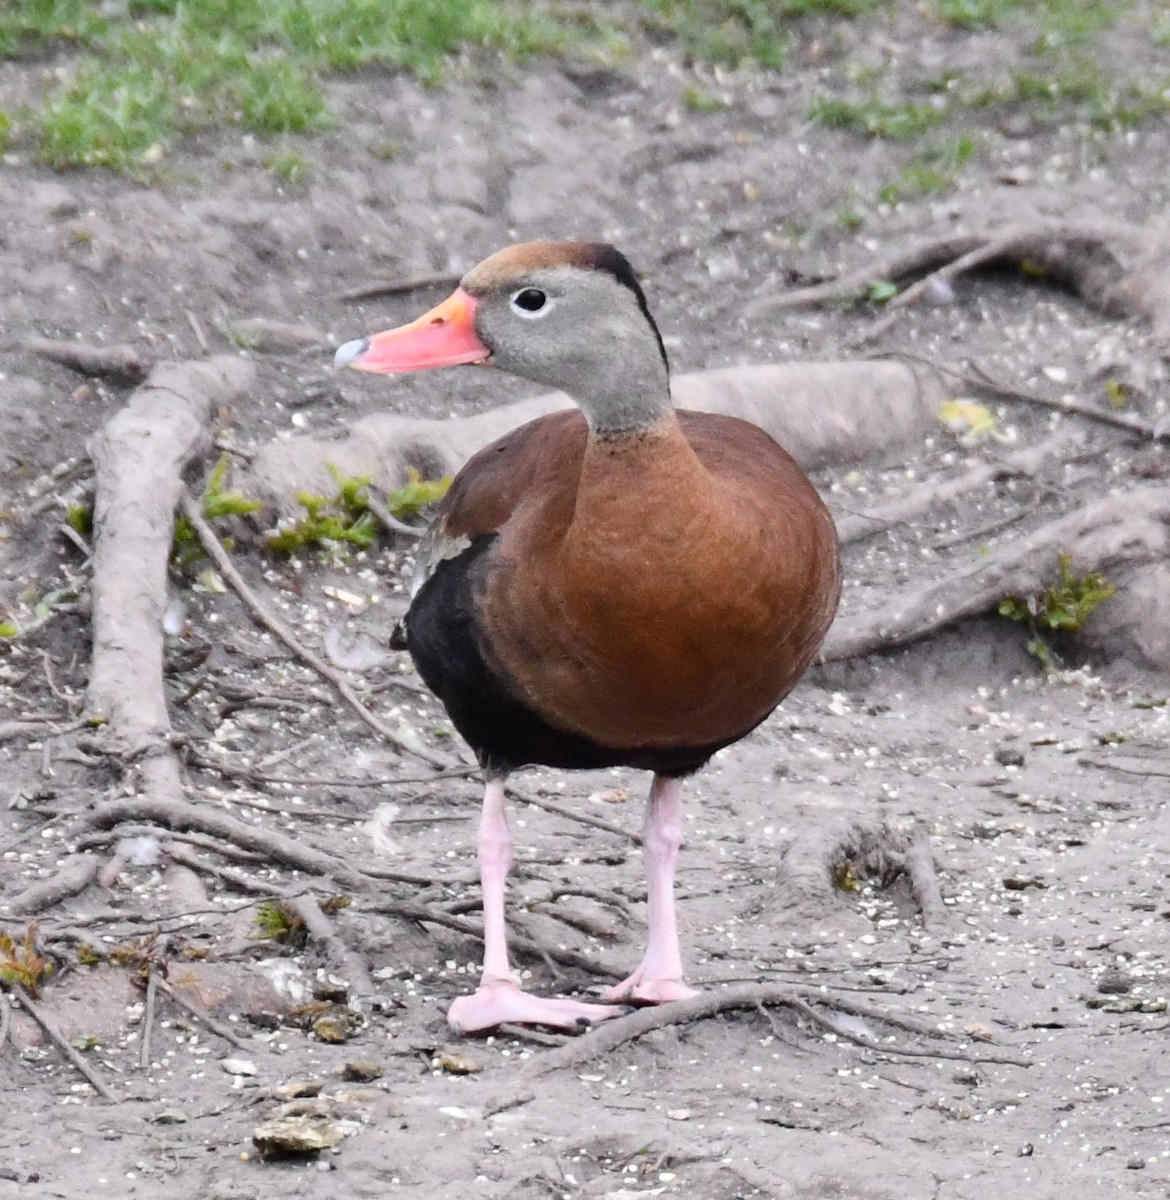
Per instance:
(1043,801)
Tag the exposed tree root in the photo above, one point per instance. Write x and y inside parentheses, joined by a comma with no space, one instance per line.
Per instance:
(1119,268)
(118,362)
(217,1027)
(260,613)
(180,815)
(1123,530)
(54,1034)
(139,456)
(608,1036)
(74,877)
(571,814)
(978,377)
(928,497)
(338,957)
(821,412)
(837,849)
(428,914)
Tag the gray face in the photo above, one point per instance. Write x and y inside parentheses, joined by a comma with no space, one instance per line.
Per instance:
(580,331)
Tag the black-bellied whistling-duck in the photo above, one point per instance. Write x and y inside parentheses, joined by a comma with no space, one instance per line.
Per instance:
(623,585)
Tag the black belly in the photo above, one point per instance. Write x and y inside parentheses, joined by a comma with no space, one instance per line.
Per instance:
(504,732)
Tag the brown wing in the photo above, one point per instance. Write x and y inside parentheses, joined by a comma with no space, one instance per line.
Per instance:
(482,498)
(529,460)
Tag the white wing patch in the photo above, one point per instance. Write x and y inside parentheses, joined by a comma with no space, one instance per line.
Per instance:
(434,547)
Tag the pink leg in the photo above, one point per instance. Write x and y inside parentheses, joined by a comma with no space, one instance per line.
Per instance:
(659,978)
(498,998)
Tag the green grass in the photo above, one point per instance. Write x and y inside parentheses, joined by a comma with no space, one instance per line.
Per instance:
(902,121)
(1078,91)
(153,70)
(128,81)
(933,172)
(290,166)
(1057,22)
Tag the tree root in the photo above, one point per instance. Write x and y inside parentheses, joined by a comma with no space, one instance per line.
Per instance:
(74,877)
(977,376)
(338,957)
(838,850)
(181,815)
(428,914)
(853,527)
(268,620)
(217,1027)
(55,1036)
(822,413)
(1120,269)
(139,456)
(609,1036)
(117,362)
(1127,529)
(569,814)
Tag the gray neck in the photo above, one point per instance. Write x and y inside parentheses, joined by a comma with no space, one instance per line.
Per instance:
(627,392)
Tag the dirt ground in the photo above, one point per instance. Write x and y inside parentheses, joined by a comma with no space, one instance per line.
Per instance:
(1043,801)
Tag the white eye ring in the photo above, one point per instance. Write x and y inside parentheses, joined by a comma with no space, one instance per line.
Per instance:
(531,303)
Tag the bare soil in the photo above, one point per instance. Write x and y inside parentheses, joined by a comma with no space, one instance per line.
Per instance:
(1043,801)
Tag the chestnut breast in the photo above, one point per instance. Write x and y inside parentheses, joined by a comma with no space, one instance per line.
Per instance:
(664,588)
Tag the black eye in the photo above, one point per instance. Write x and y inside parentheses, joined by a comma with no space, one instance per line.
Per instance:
(530,300)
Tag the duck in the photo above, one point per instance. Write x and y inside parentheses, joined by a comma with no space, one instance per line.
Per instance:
(620,584)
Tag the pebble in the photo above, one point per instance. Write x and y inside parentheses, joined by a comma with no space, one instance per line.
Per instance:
(1114,983)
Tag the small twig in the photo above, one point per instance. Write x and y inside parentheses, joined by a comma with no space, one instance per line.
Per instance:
(854,285)
(42,1019)
(235,581)
(401,287)
(197,330)
(216,1027)
(1069,404)
(436,916)
(996,525)
(1124,767)
(801,1006)
(148,1018)
(5,1020)
(388,519)
(571,814)
(70,534)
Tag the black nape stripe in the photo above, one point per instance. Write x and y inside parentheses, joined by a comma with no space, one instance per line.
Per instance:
(610,258)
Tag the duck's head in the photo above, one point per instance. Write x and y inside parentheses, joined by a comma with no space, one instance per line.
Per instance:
(569,315)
